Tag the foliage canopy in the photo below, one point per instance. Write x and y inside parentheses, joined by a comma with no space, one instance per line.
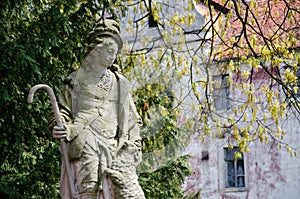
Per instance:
(42,42)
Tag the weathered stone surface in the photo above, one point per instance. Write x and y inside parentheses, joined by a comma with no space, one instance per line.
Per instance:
(101,124)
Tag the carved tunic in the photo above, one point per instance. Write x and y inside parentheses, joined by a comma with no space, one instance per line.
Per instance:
(104,122)
(95,106)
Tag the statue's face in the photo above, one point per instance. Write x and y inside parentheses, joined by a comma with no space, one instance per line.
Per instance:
(107,51)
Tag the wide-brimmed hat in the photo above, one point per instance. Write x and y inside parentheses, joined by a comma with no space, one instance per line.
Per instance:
(105,28)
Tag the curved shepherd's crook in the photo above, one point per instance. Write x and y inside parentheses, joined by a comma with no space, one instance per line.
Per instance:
(59,124)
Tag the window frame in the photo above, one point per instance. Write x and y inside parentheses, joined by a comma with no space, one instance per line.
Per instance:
(235,162)
(221,92)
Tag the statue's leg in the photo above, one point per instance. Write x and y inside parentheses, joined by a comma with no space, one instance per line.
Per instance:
(88,171)
(128,187)
(125,179)
(93,164)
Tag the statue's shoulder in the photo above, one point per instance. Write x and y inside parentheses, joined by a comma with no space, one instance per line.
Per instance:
(69,80)
(120,76)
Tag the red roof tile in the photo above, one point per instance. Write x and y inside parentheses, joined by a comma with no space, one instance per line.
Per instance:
(264,20)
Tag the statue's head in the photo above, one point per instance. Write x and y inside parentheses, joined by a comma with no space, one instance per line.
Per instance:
(104,29)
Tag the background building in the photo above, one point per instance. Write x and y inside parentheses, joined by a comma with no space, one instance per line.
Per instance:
(266,171)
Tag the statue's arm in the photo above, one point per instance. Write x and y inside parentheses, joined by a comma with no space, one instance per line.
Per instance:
(135,124)
(65,107)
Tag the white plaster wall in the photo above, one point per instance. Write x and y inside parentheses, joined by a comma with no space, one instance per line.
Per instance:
(270,172)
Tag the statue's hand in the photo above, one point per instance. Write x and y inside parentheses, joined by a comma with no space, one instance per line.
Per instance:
(59,132)
(129,153)
(129,146)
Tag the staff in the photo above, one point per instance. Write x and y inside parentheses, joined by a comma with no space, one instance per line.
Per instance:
(59,124)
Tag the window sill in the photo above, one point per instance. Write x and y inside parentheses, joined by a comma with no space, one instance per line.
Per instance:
(235,189)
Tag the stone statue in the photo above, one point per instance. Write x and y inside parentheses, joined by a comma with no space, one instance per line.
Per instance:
(101,124)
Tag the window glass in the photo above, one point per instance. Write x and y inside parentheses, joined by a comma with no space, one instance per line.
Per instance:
(221,92)
(235,173)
